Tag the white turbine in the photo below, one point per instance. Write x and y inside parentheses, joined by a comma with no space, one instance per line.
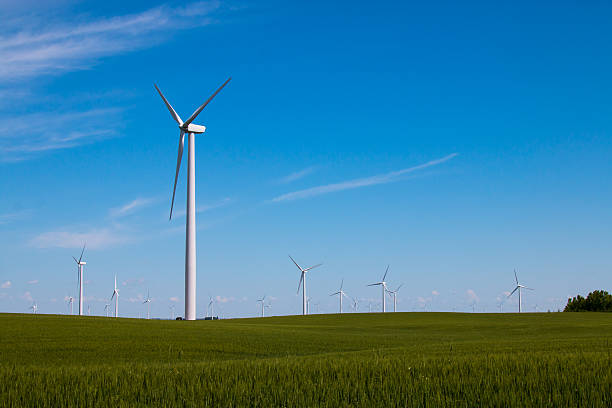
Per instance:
(518,287)
(383,284)
(106,307)
(116,296)
(172,311)
(263,305)
(211,306)
(341,294)
(355,304)
(148,302)
(394,294)
(190,240)
(308,305)
(303,284)
(34,308)
(80,264)
(70,302)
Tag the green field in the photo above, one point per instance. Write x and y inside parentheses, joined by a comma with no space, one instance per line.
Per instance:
(367,360)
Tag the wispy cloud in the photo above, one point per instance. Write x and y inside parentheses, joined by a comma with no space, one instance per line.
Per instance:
(6,285)
(471,295)
(297,175)
(96,239)
(357,183)
(51,47)
(203,208)
(435,292)
(175,299)
(27,296)
(13,216)
(33,282)
(54,130)
(130,207)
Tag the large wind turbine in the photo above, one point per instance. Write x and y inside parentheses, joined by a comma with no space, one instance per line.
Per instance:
(116,296)
(303,284)
(148,302)
(341,293)
(190,240)
(518,287)
(383,284)
(80,264)
(394,294)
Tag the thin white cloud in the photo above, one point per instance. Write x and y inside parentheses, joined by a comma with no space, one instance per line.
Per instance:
(362,182)
(6,285)
(33,282)
(95,239)
(13,216)
(435,292)
(27,296)
(297,175)
(471,295)
(203,208)
(175,299)
(50,47)
(223,299)
(130,207)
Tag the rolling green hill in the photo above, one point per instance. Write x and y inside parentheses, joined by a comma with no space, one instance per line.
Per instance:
(395,359)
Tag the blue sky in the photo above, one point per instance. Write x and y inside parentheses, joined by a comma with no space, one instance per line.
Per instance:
(453,142)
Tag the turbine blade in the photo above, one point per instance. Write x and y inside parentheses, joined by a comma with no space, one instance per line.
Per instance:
(301,279)
(525,287)
(175,115)
(375,284)
(75,260)
(312,267)
(81,257)
(178,167)
(333,294)
(296,264)
(398,288)
(515,277)
(197,112)
(387,271)
(341,284)
(515,289)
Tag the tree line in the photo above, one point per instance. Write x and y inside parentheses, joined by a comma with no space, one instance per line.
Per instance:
(596,301)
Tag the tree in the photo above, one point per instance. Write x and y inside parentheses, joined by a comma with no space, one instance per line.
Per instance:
(596,301)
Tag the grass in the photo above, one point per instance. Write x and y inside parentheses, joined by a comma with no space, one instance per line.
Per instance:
(367,360)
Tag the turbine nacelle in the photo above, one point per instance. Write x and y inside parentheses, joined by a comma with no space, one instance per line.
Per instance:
(191,128)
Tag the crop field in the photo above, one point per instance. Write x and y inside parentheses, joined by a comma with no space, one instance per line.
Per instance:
(363,360)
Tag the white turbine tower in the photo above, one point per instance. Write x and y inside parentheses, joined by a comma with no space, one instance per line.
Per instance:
(190,240)
(303,285)
(116,296)
(148,302)
(394,294)
(518,287)
(211,306)
(70,302)
(172,312)
(80,264)
(355,304)
(383,284)
(341,294)
(106,307)
(34,308)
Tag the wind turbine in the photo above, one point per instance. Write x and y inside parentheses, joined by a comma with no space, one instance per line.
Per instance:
(190,240)
(341,294)
(263,305)
(383,284)
(70,302)
(172,311)
(518,287)
(106,307)
(116,296)
(394,294)
(303,284)
(148,302)
(308,305)
(211,306)
(34,308)
(80,264)
(355,304)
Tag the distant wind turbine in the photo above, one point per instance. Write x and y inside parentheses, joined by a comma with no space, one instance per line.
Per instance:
(263,305)
(34,308)
(172,312)
(211,306)
(355,304)
(106,307)
(518,287)
(116,296)
(303,284)
(70,303)
(190,240)
(383,284)
(341,294)
(148,302)
(394,294)
(80,264)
